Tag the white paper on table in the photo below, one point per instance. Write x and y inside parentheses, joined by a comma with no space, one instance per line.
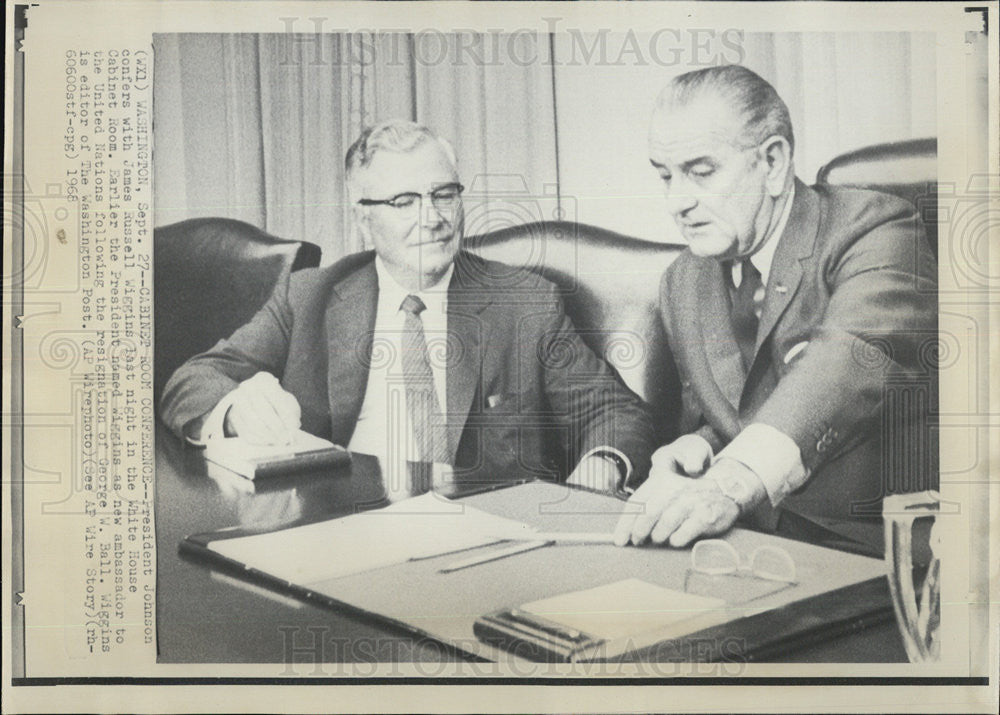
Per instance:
(630,608)
(417,528)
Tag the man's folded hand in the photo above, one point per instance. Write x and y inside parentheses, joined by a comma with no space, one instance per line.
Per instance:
(262,412)
(688,455)
(675,510)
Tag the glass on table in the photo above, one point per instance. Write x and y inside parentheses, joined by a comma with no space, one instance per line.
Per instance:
(919,619)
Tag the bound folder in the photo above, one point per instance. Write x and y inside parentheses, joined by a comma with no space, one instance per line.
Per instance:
(599,623)
(305,453)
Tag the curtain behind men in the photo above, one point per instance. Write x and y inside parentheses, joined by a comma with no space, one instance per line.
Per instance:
(255,127)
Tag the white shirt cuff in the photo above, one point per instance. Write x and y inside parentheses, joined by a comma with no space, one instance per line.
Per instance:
(214,425)
(772,455)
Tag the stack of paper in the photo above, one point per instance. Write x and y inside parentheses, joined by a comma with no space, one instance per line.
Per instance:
(630,609)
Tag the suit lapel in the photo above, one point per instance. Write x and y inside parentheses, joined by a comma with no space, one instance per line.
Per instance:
(466,300)
(795,244)
(717,362)
(350,318)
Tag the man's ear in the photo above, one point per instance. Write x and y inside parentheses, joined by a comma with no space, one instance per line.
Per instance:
(360,216)
(777,152)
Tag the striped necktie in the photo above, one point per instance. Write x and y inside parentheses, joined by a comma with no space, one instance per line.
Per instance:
(422,405)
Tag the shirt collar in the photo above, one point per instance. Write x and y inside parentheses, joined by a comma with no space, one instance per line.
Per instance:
(763,257)
(391,294)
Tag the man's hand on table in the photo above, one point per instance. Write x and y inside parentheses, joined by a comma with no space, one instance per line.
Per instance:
(678,504)
(261,411)
(687,455)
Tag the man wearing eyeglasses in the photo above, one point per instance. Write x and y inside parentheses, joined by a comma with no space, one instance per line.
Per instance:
(417,350)
(793,314)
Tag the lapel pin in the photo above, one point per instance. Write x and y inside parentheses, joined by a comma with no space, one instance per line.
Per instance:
(780,288)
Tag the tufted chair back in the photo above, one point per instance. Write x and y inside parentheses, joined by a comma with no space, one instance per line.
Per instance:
(211,275)
(610,286)
(907,169)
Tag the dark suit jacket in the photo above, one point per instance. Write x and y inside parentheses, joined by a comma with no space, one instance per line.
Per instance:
(526,397)
(854,278)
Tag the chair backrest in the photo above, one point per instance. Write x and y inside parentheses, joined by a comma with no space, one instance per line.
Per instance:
(211,275)
(907,169)
(610,286)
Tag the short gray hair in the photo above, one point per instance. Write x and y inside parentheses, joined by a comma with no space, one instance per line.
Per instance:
(399,135)
(763,111)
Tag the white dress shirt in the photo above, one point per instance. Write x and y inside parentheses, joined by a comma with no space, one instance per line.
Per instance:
(383,427)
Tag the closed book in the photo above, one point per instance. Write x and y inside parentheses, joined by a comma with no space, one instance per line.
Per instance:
(305,453)
(599,623)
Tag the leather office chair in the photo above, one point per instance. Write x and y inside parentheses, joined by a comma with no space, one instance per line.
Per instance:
(610,286)
(211,276)
(907,169)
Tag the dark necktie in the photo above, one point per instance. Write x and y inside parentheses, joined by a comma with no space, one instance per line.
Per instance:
(422,403)
(744,316)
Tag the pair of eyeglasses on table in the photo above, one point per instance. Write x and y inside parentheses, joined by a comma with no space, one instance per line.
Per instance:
(715,557)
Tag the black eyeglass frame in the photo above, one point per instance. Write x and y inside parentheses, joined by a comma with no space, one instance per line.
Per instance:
(414,197)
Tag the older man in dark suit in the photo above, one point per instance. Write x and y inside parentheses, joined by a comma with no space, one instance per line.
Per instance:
(418,351)
(789,316)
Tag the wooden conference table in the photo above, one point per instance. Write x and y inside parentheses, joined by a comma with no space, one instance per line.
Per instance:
(208,616)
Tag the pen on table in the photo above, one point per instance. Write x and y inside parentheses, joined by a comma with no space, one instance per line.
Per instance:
(565,537)
(494,555)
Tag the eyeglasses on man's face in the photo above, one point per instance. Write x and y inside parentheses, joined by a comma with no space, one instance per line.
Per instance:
(444,198)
